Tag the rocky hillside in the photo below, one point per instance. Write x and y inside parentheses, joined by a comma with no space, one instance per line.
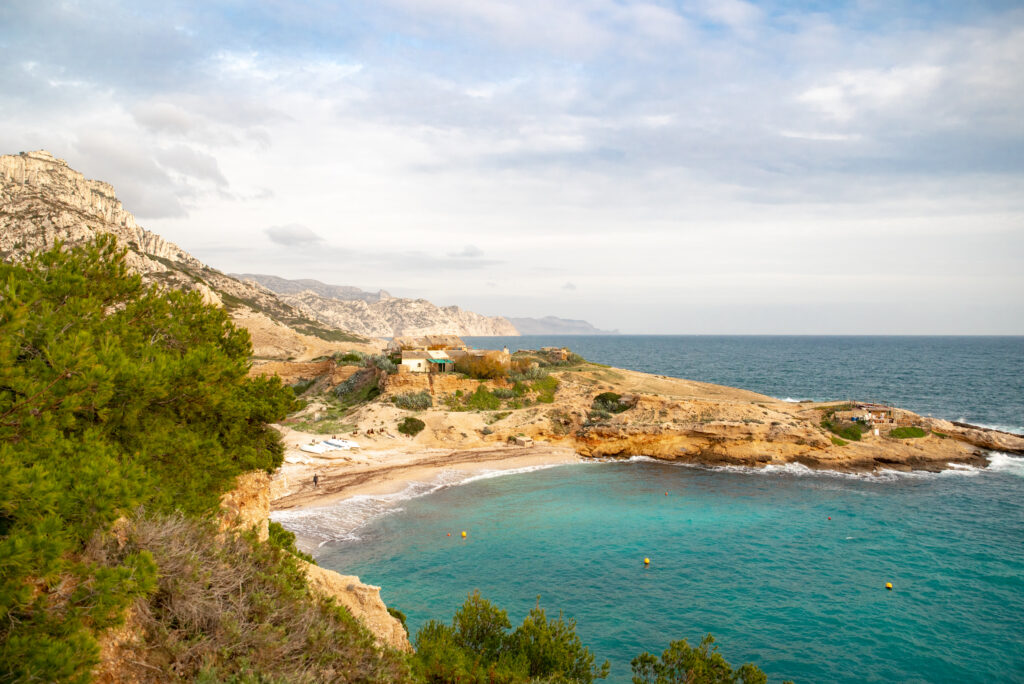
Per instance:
(387,316)
(43,200)
(345,293)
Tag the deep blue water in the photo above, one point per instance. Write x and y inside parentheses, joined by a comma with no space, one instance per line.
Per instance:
(749,556)
(974,379)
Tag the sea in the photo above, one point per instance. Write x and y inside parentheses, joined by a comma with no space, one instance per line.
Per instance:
(786,567)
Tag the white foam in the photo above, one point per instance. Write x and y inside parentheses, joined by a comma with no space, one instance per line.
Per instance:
(791,400)
(1004,463)
(343,520)
(1017,430)
(800,470)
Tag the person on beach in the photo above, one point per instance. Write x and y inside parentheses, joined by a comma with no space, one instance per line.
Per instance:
(316,480)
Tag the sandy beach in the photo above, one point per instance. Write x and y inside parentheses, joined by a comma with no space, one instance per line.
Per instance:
(385,466)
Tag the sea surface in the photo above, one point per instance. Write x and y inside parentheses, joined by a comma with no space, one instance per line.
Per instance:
(750,556)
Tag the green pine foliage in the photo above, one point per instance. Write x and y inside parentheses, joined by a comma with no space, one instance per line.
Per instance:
(112,396)
(682,664)
(477,648)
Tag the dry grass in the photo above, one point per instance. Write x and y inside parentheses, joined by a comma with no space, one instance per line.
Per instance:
(228,608)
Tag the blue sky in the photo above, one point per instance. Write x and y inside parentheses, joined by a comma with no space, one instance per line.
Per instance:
(661,167)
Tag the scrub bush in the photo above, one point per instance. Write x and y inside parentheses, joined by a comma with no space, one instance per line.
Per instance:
(413,401)
(411,426)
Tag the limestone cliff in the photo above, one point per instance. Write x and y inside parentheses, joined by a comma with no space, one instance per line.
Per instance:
(247,506)
(380,315)
(43,200)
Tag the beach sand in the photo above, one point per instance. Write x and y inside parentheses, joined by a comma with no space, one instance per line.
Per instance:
(384,468)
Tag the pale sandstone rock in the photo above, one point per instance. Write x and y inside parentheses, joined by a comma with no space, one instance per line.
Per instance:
(363,601)
(247,506)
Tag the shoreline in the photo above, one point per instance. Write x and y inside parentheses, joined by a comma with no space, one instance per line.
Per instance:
(384,472)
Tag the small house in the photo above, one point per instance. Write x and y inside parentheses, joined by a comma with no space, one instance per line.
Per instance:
(436,361)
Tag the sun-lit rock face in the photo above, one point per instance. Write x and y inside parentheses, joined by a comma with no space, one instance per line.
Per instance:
(43,201)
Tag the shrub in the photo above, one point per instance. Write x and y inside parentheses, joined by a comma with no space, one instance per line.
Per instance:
(285,540)
(411,426)
(477,647)
(850,431)
(534,372)
(413,401)
(382,362)
(838,442)
(503,392)
(228,608)
(680,663)
(545,389)
(351,358)
(301,385)
(609,402)
(351,383)
(486,367)
(907,433)
(483,400)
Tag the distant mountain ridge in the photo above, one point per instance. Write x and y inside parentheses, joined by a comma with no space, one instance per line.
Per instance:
(345,293)
(552,325)
(380,314)
(43,200)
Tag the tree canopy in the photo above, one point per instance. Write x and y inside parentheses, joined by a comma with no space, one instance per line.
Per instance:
(113,396)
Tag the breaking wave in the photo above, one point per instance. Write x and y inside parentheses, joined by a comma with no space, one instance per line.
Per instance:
(998,462)
(341,521)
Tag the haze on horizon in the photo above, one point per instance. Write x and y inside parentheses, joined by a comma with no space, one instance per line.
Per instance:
(711,166)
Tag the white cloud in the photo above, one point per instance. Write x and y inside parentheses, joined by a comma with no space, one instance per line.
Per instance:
(292,235)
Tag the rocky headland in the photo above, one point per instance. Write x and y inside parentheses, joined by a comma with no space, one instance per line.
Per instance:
(660,417)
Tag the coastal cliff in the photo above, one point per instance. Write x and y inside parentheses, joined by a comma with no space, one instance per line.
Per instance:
(379,314)
(43,200)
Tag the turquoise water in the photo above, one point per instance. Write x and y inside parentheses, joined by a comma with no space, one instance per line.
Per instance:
(751,558)
(979,380)
(748,556)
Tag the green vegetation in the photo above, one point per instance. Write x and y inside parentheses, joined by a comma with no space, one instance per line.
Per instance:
(483,400)
(301,385)
(477,647)
(487,367)
(907,433)
(115,397)
(232,609)
(358,389)
(849,431)
(351,358)
(940,435)
(285,540)
(545,389)
(837,441)
(682,664)
(609,402)
(413,401)
(411,426)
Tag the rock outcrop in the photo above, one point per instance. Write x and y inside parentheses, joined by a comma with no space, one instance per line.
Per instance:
(43,200)
(363,601)
(247,506)
(381,315)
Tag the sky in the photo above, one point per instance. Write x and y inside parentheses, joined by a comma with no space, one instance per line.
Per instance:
(729,167)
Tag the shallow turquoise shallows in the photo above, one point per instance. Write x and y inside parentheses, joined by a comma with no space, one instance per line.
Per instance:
(750,557)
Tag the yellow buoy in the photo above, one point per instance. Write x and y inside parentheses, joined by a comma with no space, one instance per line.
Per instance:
(888,585)
(647,561)
(463,533)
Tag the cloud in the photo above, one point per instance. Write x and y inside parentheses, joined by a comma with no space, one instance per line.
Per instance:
(292,235)
(468,252)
